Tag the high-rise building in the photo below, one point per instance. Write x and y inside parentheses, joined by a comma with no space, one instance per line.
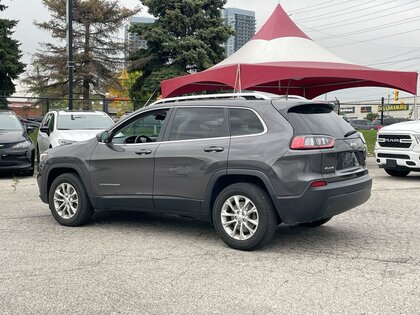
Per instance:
(132,40)
(243,23)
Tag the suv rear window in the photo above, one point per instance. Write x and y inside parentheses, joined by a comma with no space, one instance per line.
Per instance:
(198,123)
(244,122)
(317,119)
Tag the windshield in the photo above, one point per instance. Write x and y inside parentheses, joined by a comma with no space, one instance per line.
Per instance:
(84,122)
(10,122)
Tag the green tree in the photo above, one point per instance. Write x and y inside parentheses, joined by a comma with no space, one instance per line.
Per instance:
(371,116)
(10,56)
(186,37)
(98,53)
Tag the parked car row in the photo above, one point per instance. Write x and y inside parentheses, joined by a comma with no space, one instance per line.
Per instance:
(364,124)
(17,151)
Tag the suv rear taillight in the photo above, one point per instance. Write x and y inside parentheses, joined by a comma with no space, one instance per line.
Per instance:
(312,142)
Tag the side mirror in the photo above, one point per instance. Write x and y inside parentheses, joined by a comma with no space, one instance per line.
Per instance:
(45,130)
(103,137)
(30,129)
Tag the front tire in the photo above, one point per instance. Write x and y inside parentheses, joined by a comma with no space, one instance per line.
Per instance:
(396,173)
(244,216)
(69,202)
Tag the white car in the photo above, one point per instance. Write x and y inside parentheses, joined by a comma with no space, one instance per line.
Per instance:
(397,149)
(61,127)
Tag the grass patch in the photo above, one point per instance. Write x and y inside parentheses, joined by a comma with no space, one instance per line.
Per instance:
(34,135)
(370,136)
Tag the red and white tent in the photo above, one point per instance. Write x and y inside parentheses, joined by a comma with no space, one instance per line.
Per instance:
(282,59)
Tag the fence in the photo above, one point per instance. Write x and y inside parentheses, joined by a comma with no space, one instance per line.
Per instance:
(39,106)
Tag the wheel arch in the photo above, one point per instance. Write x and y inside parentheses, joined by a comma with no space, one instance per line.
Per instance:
(222,179)
(60,169)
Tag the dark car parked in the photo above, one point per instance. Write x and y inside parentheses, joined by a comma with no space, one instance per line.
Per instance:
(376,124)
(246,162)
(361,124)
(17,152)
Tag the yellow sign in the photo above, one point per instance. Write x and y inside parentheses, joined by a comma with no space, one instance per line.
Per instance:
(394,107)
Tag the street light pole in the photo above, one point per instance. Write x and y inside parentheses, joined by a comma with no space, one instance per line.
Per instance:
(70,62)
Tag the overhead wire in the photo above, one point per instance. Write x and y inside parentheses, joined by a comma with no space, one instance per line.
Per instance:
(376,38)
(343,11)
(353,19)
(373,28)
(304,10)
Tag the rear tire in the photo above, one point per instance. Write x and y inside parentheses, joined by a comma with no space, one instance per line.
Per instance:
(315,223)
(244,216)
(396,173)
(69,202)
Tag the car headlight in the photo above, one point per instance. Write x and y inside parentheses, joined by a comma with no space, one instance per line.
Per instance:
(43,157)
(22,145)
(65,141)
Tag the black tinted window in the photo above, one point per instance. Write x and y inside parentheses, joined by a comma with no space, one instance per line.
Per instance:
(198,123)
(317,119)
(244,122)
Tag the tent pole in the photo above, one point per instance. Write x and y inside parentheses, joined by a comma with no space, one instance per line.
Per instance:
(416,110)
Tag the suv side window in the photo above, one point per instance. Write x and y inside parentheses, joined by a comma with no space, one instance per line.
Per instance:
(145,128)
(46,120)
(198,123)
(244,122)
(51,123)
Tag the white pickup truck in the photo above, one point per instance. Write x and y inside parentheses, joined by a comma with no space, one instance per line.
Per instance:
(397,148)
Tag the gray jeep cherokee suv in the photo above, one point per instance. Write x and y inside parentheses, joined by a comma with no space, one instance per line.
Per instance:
(246,162)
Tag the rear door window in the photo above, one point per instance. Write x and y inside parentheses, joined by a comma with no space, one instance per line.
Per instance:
(244,122)
(198,123)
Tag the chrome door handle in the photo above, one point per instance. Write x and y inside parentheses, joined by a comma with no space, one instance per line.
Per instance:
(143,152)
(214,149)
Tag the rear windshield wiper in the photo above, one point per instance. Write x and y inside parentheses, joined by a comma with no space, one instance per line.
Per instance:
(351,132)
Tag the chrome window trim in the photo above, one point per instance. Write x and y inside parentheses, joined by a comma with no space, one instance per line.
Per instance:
(204,139)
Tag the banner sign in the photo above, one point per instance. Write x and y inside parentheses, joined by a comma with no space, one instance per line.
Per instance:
(347,110)
(394,107)
(366,109)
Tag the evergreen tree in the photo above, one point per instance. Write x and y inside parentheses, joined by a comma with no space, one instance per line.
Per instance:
(186,37)
(10,56)
(98,54)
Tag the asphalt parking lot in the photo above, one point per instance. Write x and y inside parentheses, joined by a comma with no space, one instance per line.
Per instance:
(365,261)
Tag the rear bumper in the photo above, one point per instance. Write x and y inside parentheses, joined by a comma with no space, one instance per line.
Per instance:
(324,202)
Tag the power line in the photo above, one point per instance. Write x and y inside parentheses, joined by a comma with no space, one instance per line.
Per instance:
(373,28)
(304,10)
(376,38)
(326,26)
(343,11)
(352,42)
(395,61)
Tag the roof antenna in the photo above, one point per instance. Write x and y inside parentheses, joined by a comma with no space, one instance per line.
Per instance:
(287,90)
(154,92)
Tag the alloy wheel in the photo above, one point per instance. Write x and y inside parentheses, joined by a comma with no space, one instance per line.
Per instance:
(66,200)
(239,217)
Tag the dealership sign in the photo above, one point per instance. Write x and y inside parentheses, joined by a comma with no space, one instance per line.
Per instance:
(347,110)
(394,107)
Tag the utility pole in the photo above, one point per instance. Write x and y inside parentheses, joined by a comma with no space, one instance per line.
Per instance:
(382,110)
(70,62)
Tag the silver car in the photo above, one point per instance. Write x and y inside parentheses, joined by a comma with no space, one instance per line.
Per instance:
(61,127)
